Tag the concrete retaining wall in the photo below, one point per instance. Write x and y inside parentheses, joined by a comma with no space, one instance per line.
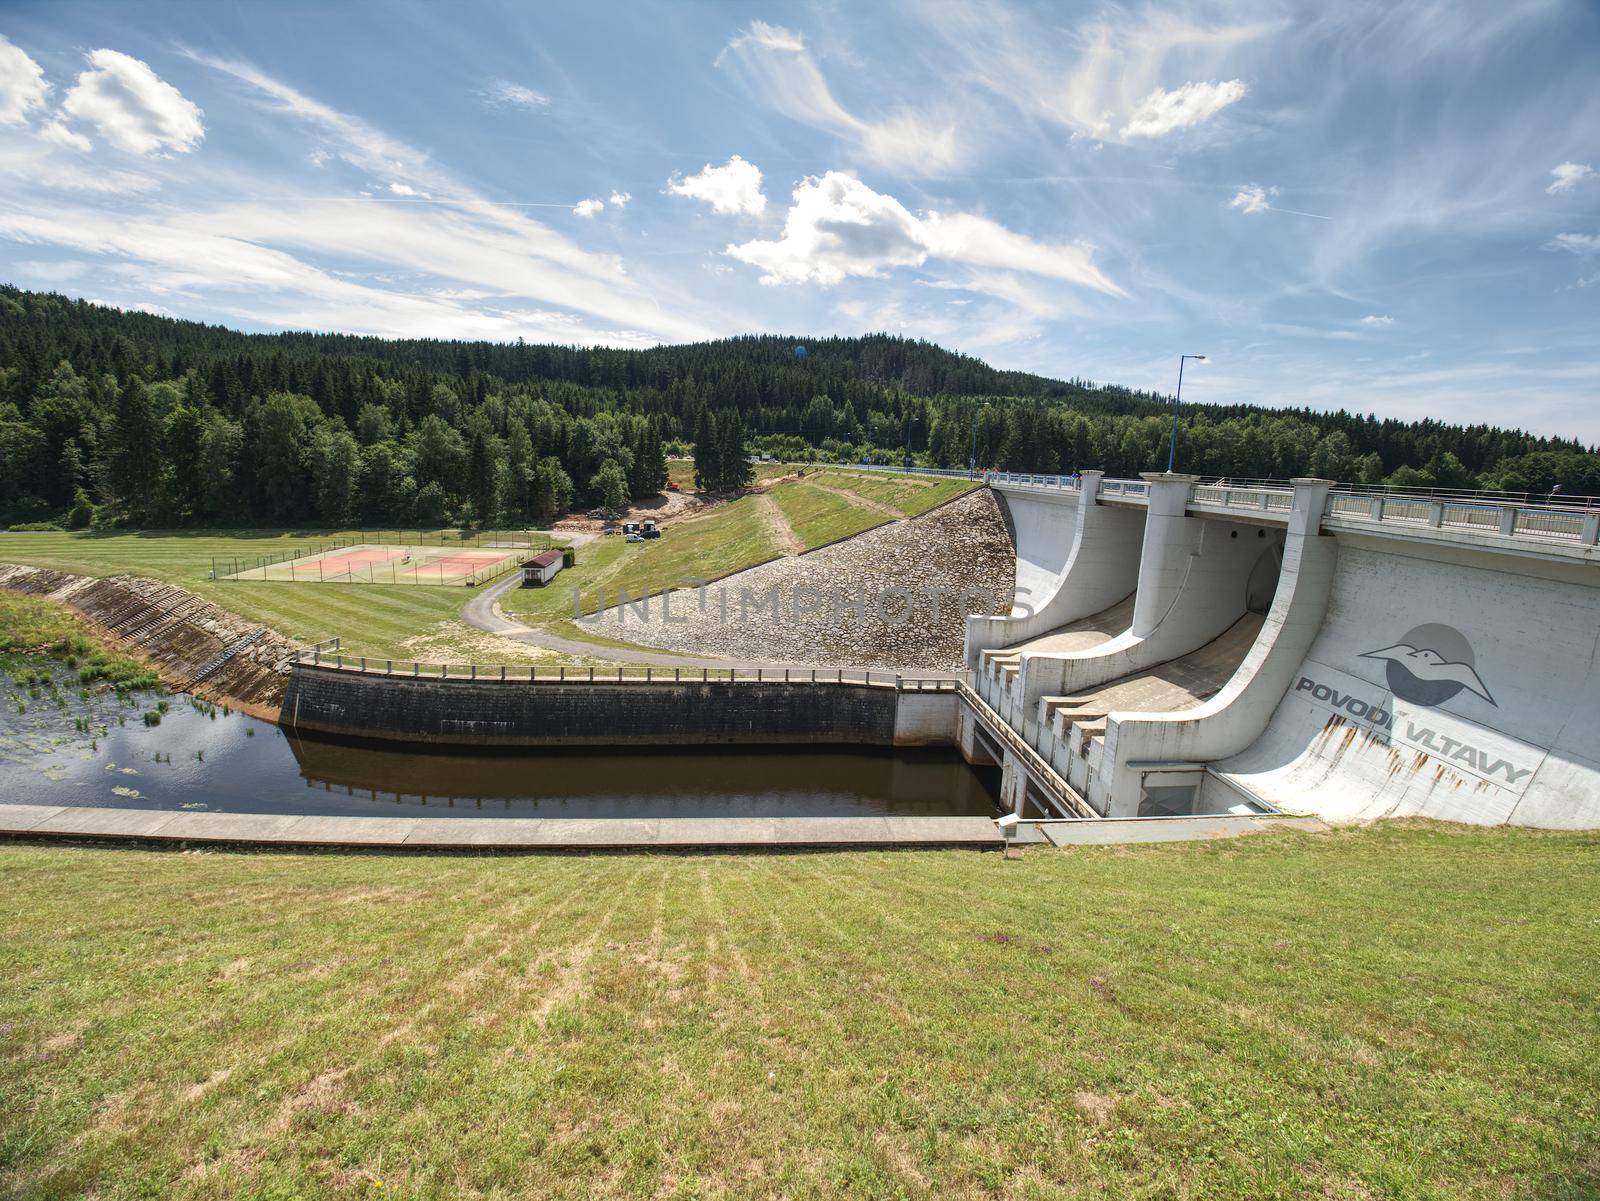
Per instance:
(522,713)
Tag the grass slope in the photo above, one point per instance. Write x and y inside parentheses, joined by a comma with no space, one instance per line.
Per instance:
(731,538)
(819,516)
(910,494)
(1389,1012)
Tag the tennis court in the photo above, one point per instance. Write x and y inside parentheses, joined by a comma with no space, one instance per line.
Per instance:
(377,564)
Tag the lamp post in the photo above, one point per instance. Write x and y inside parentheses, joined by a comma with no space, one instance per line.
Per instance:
(1172,446)
(972,456)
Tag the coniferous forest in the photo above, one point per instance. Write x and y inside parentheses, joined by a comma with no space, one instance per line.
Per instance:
(110,417)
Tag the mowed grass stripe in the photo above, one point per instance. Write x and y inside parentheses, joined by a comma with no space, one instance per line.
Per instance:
(819,517)
(1276,1016)
(910,494)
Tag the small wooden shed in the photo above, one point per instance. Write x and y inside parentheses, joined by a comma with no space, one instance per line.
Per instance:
(542,568)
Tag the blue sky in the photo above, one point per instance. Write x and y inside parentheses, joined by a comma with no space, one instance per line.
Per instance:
(1389,207)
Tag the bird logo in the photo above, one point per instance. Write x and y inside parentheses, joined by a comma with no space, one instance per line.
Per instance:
(1430,665)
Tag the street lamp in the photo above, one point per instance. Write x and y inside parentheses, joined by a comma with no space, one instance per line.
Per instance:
(1172,446)
(972,457)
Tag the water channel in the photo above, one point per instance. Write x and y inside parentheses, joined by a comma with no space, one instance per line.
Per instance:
(59,746)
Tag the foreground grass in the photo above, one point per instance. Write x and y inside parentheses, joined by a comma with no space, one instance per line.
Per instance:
(1395,1012)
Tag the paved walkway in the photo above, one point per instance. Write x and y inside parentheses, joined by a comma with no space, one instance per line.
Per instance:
(492,833)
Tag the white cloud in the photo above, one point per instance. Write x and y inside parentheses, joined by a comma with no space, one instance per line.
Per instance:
(132,107)
(776,63)
(839,227)
(1162,112)
(57,132)
(1252,199)
(255,244)
(1568,176)
(588,208)
(22,84)
(405,189)
(503,93)
(1377,320)
(1579,244)
(734,187)
(620,199)
(1093,78)
(767,37)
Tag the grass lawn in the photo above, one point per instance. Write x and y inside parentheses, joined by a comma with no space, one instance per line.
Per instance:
(372,619)
(1390,1012)
(819,516)
(733,537)
(910,494)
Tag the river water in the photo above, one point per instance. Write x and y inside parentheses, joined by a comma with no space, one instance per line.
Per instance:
(61,748)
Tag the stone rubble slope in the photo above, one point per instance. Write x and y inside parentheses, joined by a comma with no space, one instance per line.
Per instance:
(867,601)
(177,646)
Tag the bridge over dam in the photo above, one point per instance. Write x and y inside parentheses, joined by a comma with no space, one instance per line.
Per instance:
(1176,649)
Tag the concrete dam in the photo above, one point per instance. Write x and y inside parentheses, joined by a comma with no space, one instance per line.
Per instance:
(1180,648)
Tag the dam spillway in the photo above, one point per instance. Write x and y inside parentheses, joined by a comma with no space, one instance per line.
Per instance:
(1301,647)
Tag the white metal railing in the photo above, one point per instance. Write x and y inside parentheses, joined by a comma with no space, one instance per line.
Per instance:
(1496,517)
(1499,519)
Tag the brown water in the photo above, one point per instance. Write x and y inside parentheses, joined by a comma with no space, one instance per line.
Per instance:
(201,758)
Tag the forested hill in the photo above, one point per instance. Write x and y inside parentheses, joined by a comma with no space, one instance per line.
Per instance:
(752,371)
(126,416)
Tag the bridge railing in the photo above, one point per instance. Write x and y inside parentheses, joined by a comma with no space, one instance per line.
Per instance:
(1499,519)
(1229,496)
(326,656)
(1576,523)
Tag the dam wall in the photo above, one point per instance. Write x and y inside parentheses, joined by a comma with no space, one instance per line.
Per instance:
(1444,682)
(338,701)
(1427,656)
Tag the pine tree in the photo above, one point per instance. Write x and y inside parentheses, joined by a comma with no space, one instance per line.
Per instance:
(707,454)
(735,463)
(133,450)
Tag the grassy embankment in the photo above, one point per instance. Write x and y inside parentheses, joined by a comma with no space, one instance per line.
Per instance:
(821,515)
(1389,1012)
(729,539)
(910,494)
(31,627)
(373,619)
